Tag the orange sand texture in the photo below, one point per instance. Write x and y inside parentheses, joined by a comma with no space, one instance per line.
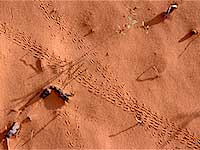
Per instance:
(133,85)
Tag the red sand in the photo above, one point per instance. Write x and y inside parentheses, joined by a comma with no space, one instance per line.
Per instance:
(118,70)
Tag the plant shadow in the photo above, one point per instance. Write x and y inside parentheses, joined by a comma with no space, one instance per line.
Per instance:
(156,20)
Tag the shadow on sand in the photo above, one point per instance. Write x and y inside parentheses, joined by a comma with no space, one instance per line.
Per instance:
(187,36)
(113,135)
(156,20)
(53,102)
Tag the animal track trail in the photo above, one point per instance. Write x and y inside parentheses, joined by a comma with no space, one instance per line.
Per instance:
(73,136)
(29,45)
(50,12)
(52,16)
(103,84)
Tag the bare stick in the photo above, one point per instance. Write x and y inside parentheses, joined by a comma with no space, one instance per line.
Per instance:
(112,135)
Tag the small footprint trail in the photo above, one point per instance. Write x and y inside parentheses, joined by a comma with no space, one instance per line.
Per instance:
(73,136)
